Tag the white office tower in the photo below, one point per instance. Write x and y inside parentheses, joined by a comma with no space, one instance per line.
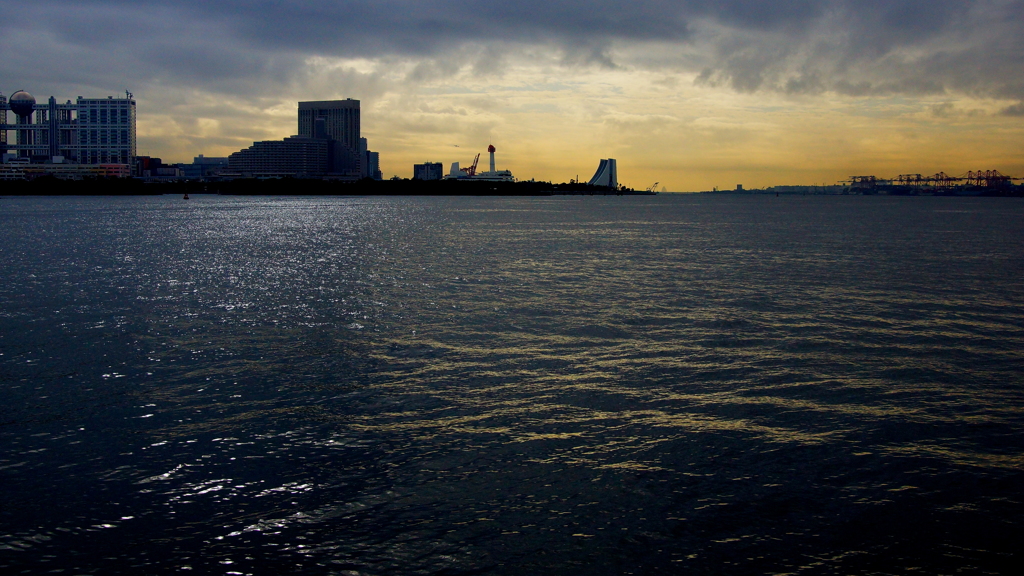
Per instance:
(606,174)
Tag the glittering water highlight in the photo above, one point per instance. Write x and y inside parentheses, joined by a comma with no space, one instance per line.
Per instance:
(566,385)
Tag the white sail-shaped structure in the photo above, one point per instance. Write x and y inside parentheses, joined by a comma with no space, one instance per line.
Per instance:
(606,174)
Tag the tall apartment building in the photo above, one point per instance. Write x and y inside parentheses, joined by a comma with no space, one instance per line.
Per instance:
(88,131)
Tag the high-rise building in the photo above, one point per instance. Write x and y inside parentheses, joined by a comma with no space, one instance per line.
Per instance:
(328,145)
(428,171)
(341,120)
(106,130)
(3,121)
(364,160)
(371,161)
(88,131)
(337,120)
(373,165)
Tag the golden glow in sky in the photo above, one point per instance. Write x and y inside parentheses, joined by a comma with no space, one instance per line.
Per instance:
(694,94)
(555,123)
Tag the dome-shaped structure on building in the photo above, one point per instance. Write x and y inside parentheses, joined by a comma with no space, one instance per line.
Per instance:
(21,103)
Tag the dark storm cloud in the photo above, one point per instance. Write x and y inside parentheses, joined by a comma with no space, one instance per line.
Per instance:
(1015,110)
(856,47)
(879,47)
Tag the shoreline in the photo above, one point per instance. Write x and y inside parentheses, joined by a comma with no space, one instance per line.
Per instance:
(303,187)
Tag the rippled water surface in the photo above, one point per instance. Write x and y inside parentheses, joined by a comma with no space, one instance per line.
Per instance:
(567,385)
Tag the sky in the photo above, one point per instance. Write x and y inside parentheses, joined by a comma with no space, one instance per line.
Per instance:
(691,94)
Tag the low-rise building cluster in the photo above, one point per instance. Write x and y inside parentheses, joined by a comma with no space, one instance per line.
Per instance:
(434,171)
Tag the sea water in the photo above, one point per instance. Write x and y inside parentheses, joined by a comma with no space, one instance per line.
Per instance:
(681,384)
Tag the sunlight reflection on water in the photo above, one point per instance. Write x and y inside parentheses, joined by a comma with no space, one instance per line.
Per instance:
(511,386)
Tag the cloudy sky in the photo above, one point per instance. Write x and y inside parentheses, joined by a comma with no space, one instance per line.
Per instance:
(691,93)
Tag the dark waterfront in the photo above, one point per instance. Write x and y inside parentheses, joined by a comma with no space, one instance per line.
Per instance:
(563,385)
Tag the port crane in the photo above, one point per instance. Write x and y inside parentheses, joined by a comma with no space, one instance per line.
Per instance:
(985,178)
(940,180)
(471,170)
(653,187)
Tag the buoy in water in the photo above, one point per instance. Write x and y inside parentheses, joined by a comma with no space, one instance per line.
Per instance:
(186,196)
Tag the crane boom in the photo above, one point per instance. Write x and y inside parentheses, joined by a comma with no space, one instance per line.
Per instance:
(471,170)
